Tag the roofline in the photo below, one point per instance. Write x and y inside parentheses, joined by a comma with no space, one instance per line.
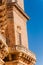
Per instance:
(20,9)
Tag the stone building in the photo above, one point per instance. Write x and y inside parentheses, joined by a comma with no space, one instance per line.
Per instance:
(13,34)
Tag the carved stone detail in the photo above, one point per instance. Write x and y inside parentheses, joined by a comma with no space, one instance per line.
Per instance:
(2,62)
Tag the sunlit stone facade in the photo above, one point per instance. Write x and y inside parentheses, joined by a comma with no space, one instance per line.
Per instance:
(13,34)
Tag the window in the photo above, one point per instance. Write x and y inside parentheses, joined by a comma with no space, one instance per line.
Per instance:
(0,1)
(19,38)
(19,35)
(7,41)
(6,59)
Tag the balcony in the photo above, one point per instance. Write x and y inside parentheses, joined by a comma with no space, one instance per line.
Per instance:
(18,48)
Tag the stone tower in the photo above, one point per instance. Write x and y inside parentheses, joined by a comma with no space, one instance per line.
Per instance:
(16,35)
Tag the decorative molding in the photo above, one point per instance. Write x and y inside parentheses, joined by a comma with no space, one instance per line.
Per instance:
(22,54)
(19,8)
(3,47)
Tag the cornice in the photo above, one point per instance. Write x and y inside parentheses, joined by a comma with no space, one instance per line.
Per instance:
(20,9)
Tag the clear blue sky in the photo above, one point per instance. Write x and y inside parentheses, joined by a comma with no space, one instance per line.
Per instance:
(34,8)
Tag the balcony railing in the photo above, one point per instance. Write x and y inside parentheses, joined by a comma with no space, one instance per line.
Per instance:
(19,48)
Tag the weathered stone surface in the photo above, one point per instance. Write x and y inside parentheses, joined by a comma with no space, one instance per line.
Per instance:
(1,62)
(13,34)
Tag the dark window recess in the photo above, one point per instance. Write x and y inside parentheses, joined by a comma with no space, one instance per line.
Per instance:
(0,45)
(6,59)
(14,57)
(7,41)
(0,2)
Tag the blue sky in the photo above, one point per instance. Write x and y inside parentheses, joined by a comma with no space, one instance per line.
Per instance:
(34,8)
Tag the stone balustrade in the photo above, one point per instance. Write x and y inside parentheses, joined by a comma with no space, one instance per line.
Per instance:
(20,48)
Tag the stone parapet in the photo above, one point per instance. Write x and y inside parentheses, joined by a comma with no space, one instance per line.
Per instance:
(22,54)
